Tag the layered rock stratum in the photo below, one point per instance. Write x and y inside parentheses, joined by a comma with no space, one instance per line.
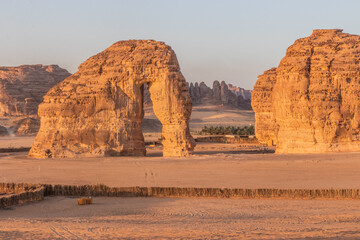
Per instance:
(98,111)
(22,88)
(266,127)
(313,96)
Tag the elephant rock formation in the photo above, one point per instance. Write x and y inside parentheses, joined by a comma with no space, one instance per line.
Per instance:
(98,111)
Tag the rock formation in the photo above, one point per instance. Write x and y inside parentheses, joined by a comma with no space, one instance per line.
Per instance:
(25,126)
(246,94)
(3,131)
(220,94)
(98,110)
(266,128)
(22,88)
(312,96)
(225,94)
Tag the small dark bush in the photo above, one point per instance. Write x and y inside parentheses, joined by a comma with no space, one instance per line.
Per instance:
(227,130)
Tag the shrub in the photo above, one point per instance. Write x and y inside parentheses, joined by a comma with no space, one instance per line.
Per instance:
(227,130)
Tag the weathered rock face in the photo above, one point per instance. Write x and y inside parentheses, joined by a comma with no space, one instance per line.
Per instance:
(246,94)
(98,110)
(3,131)
(223,93)
(266,128)
(315,99)
(26,126)
(22,88)
(217,92)
(220,94)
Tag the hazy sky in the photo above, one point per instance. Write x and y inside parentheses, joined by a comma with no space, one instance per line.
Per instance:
(233,41)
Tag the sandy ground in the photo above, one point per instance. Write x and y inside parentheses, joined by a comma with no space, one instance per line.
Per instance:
(182,218)
(16,142)
(212,165)
(205,115)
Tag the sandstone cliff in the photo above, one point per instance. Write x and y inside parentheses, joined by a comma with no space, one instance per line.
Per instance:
(221,93)
(315,98)
(25,126)
(266,128)
(3,131)
(22,88)
(98,110)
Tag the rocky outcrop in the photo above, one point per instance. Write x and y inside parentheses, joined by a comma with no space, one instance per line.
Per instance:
(3,131)
(22,88)
(315,99)
(98,111)
(225,94)
(25,126)
(246,94)
(266,128)
(220,94)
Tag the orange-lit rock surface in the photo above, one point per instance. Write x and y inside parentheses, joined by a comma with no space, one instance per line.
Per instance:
(22,88)
(266,128)
(25,126)
(315,99)
(98,110)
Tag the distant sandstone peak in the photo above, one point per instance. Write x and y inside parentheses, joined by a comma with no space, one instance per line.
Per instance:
(220,93)
(22,87)
(311,101)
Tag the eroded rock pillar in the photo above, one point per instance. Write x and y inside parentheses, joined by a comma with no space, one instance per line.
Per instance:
(172,105)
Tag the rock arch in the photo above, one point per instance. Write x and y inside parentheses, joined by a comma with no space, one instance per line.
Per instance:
(98,110)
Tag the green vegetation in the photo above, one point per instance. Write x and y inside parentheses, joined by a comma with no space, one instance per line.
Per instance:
(227,130)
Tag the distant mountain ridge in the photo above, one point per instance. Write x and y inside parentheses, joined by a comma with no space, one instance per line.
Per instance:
(220,94)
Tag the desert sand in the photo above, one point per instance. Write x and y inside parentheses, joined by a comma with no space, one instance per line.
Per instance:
(205,115)
(182,218)
(16,142)
(212,165)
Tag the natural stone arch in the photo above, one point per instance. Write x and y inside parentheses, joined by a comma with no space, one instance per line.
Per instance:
(98,111)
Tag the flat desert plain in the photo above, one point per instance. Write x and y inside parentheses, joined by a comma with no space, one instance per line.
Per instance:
(182,218)
(205,115)
(212,165)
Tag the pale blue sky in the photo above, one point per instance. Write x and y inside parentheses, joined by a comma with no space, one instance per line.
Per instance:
(226,40)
